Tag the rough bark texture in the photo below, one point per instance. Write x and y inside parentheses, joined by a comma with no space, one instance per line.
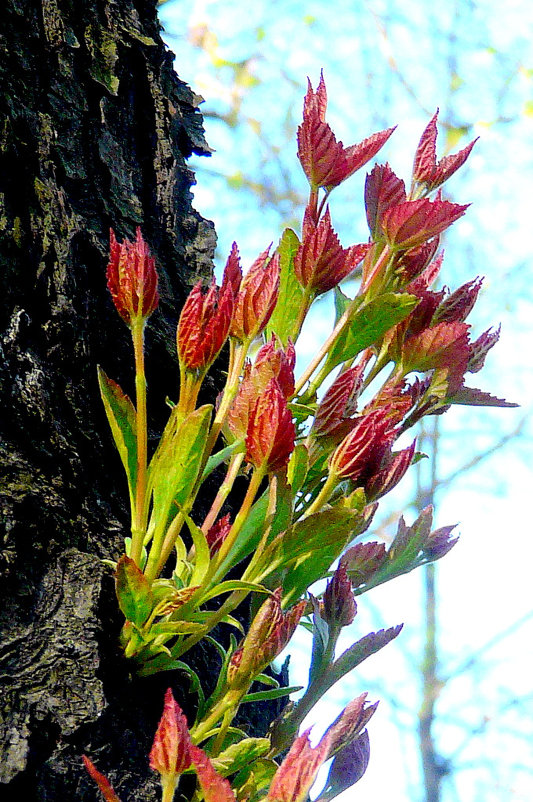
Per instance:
(95,128)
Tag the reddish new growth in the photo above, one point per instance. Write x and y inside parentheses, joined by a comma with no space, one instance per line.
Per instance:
(296,775)
(325,161)
(321,262)
(271,432)
(204,325)
(132,278)
(256,298)
(426,170)
(170,750)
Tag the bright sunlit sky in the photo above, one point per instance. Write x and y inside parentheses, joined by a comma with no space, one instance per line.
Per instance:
(392,62)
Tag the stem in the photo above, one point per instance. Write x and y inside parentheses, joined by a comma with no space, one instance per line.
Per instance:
(240,519)
(237,357)
(160,552)
(223,491)
(229,605)
(383,258)
(169,783)
(313,365)
(323,496)
(271,509)
(139,518)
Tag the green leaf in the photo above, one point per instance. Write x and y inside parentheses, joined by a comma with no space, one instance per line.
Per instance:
(122,419)
(297,468)
(240,754)
(175,465)
(303,554)
(202,558)
(284,320)
(257,776)
(135,597)
(175,628)
(354,655)
(369,323)
(342,302)
(230,585)
(221,456)
(273,693)
(264,679)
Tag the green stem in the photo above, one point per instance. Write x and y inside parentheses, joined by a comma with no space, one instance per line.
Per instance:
(229,605)
(327,488)
(169,783)
(160,552)
(139,522)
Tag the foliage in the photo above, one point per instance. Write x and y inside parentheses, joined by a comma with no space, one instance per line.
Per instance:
(316,459)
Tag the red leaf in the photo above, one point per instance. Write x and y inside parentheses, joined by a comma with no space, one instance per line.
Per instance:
(383,189)
(448,165)
(170,753)
(257,297)
(101,781)
(426,153)
(321,262)
(412,223)
(132,278)
(297,773)
(214,787)
(478,398)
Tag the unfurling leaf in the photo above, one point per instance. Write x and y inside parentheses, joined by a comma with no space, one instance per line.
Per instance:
(123,422)
(369,324)
(175,465)
(134,594)
(284,320)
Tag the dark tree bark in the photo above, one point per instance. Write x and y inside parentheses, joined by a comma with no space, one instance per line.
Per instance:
(95,128)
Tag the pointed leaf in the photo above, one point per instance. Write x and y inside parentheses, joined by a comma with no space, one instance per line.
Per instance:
(469,396)
(135,597)
(202,558)
(221,456)
(369,324)
(122,419)
(176,463)
(230,585)
(101,781)
(284,320)
(273,693)
(355,654)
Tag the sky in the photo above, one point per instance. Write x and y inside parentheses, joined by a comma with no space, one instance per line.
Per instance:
(387,63)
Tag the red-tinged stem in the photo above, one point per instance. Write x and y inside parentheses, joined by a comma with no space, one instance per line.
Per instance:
(139,522)
(240,519)
(322,353)
(381,262)
(223,491)
(237,357)
(323,203)
(312,204)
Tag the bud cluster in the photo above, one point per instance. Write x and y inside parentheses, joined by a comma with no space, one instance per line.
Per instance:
(314,454)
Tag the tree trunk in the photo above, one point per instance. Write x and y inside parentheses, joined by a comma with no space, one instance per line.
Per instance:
(95,129)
